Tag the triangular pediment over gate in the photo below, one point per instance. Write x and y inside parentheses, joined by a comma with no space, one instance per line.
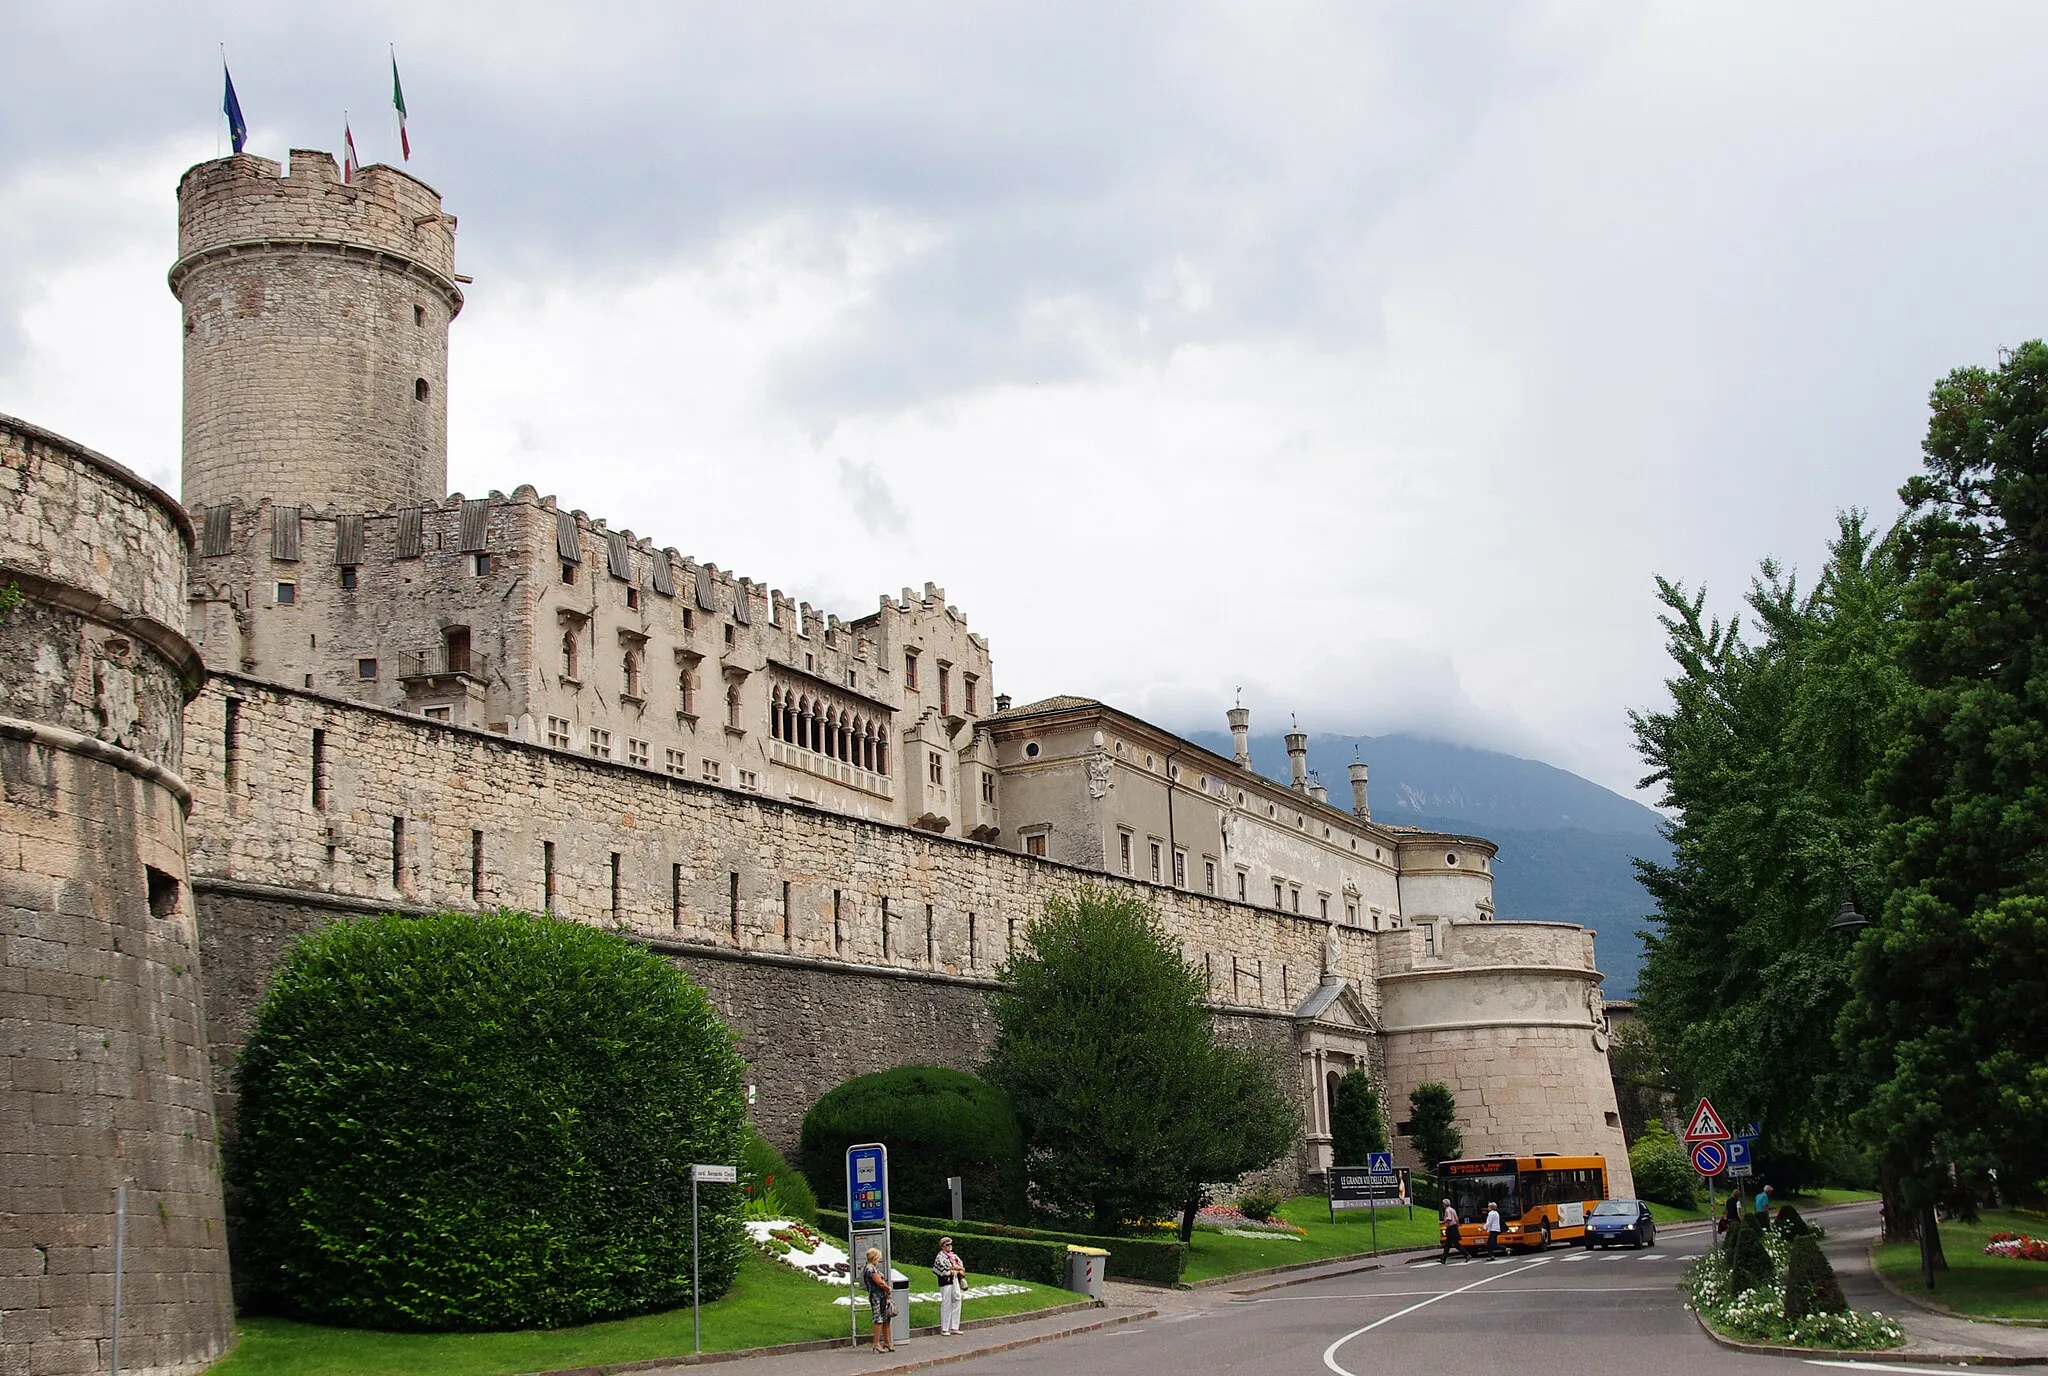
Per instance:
(1334,1006)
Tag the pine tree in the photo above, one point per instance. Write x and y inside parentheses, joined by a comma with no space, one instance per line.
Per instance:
(1356,1127)
(1433,1124)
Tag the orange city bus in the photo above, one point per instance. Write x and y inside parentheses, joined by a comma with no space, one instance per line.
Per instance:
(1542,1198)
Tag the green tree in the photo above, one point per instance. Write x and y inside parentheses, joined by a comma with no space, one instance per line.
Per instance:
(1106,1049)
(936,1123)
(1950,1019)
(1433,1124)
(1662,1168)
(1766,754)
(1240,1120)
(472,1121)
(1356,1125)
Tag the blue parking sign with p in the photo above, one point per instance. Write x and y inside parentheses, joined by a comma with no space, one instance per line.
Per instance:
(1379,1162)
(1738,1152)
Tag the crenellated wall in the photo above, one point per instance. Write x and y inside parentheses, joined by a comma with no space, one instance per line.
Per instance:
(104,1072)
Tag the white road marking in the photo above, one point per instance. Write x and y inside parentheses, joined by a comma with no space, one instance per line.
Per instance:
(1330,1352)
(1885,1366)
(1412,1294)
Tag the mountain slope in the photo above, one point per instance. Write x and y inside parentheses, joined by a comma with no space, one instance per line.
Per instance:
(1566,843)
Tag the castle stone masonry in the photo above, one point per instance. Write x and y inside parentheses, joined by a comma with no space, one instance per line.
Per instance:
(395,698)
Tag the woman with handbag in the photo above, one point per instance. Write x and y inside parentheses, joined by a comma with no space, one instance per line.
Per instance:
(881,1307)
(952,1275)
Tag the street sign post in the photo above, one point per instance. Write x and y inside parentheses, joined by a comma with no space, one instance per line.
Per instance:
(867,1215)
(1709,1158)
(702,1175)
(1707,1124)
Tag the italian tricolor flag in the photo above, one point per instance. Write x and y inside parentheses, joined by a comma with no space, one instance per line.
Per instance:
(398,99)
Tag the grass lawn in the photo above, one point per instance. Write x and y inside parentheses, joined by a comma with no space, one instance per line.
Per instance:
(770,1304)
(1974,1284)
(1217,1254)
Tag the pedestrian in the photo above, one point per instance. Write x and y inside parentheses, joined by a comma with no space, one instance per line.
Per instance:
(1492,1228)
(1763,1206)
(881,1305)
(1450,1230)
(952,1276)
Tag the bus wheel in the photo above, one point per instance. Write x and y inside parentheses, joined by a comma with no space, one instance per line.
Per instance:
(1543,1245)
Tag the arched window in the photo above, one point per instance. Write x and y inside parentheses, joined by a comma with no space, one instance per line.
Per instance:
(632,668)
(803,722)
(569,653)
(881,753)
(732,706)
(419,389)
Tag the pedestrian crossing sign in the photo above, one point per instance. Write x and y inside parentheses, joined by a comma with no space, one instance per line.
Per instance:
(1706,1125)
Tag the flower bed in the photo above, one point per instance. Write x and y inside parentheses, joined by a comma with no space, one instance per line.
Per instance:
(1757,1315)
(2017,1246)
(1228,1218)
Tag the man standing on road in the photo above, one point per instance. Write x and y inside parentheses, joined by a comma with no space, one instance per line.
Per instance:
(1492,1228)
(1450,1231)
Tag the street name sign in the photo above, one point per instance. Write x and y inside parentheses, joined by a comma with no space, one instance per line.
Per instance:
(1709,1158)
(1707,1125)
(715,1175)
(702,1175)
(1738,1172)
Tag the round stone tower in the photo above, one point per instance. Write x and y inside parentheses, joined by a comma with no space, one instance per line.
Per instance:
(104,1080)
(316,334)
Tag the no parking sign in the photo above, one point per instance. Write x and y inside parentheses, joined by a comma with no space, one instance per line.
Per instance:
(1709,1158)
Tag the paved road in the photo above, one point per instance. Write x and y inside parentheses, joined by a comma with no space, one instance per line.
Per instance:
(1566,1312)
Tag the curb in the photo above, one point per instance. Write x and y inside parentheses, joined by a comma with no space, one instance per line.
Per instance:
(1942,1310)
(1219,1282)
(969,1354)
(828,1344)
(1889,1354)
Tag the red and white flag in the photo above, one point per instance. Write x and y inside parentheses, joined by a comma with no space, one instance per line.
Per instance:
(349,165)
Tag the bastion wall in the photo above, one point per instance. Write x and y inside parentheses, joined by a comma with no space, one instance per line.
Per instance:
(104,1073)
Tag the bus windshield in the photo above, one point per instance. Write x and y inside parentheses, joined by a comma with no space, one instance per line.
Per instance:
(1470,1194)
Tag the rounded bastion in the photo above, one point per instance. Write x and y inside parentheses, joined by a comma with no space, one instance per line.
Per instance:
(316,318)
(104,1079)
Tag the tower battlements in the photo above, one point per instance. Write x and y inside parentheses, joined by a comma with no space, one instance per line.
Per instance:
(316,318)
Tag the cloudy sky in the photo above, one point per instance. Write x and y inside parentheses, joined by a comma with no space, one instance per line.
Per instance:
(1371,357)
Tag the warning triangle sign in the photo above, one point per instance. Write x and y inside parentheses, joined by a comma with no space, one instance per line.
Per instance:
(1706,1125)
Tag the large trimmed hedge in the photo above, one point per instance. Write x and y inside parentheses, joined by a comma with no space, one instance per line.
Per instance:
(936,1123)
(482,1122)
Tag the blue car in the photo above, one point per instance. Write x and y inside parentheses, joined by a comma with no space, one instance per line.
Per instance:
(1620,1220)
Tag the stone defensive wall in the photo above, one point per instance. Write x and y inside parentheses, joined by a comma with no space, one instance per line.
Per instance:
(105,1078)
(1508,1014)
(822,938)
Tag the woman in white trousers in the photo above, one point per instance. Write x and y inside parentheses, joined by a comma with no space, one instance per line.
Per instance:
(952,1277)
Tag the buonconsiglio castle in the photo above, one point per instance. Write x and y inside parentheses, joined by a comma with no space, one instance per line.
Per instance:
(322,685)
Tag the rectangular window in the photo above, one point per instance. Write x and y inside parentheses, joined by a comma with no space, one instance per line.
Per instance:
(441,713)
(731,637)
(937,768)
(711,771)
(558,733)
(675,897)
(1123,850)
(476,866)
(732,902)
(968,684)
(637,752)
(1155,862)
(785,913)
(600,744)
(348,577)
(1428,938)
(931,936)
(366,669)
(287,594)
(1324,901)
(481,563)
(547,876)
(749,779)
(1242,878)
(615,886)
(988,788)
(1279,895)
(319,770)
(945,690)
(1034,844)
(1294,899)
(885,929)
(231,744)
(675,764)
(632,599)
(1351,914)
(910,670)
(1180,869)
(568,573)
(1209,876)
(398,853)
(689,621)
(838,931)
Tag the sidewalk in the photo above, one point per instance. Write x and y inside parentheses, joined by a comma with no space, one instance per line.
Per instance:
(913,1354)
(1930,1337)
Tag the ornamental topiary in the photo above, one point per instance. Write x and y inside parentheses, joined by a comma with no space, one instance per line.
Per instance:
(936,1123)
(482,1121)
(1788,1223)
(1810,1284)
(1662,1169)
(1749,1264)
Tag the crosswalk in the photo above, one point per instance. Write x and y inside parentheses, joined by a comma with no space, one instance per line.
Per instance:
(1603,1257)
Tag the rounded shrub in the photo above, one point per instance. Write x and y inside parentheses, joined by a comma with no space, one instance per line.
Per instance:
(482,1121)
(1662,1169)
(935,1123)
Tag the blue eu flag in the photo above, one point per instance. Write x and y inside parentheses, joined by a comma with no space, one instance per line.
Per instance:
(238,128)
